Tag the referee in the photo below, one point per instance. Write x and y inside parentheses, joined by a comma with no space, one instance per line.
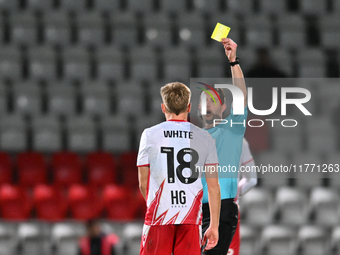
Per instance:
(229,141)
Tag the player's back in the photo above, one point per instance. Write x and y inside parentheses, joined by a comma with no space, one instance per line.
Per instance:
(176,152)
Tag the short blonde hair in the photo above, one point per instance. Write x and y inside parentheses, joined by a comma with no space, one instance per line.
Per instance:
(176,97)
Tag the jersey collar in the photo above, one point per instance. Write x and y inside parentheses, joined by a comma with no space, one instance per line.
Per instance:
(178,120)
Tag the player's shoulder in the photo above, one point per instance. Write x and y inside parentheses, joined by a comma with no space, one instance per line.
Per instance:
(199,130)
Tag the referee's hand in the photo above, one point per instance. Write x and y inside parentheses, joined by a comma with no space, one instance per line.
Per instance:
(211,238)
(230,48)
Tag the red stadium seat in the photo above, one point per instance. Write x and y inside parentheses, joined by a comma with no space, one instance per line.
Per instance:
(84,202)
(101,168)
(140,205)
(50,204)
(118,203)
(15,203)
(67,168)
(5,168)
(128,159)
(31,168)
(128,167)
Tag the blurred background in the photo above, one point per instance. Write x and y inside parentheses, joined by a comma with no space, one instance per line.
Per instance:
(80,80)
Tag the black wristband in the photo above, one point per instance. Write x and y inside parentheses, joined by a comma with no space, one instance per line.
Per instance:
(236,62)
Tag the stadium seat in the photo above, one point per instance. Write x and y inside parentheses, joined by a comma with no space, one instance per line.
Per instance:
(15,203)
(328,32)
(9,5)
(259,31)
(312,240)
(335,239)
(211,63)
(249,239)
(64,237)
(57,28)
(140,205)
(61,99)
(32,169)
(110,6)
(10,63)
(27,98)
(96,98)
(257,205)
(267,6)
(101,168)
(82,136)
(277,240)
(75,5)
(325,205)
(246,7)
(131,98)
(282,58)
(177,64)
(50,203)
(158,33)
(76,63)
(41,5)
(5,168)
(90,27)
(137,6)
(144,64)
(176,6)
(3,100)
(292,204)
(115,133)
(23,28)
(33,238)
(42,63)
(273,179)
(131,234)
(46,134)
(292,31)
(144,122)
(329,101)
(7,238)
(84,202)
(311,63)
(110,63)
(117,203)
(313,7)
(286,139)
(13,133)
(191,30)
(127,162)
(124,29)
(206,6)
(66,168)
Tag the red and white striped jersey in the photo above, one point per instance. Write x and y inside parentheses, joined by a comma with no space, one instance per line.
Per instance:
(177,153)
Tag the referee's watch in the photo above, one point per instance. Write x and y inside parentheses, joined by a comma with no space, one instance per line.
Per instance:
(236,62)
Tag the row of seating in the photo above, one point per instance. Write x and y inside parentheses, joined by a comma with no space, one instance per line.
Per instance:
(61,238)
(178,6)
(79,202)
(65,168)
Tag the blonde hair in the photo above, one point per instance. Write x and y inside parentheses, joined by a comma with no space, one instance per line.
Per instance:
(176,97)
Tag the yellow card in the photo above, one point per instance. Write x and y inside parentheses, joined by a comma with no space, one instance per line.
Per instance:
(221,31)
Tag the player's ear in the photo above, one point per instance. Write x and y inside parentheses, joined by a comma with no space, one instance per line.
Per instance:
(163,108)
(189,108)
(224,106)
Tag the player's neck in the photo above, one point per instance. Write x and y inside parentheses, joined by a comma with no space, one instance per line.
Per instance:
(172,116)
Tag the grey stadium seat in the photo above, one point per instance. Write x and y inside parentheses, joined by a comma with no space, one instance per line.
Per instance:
(268,6)
(335,241)
(143,63)
(249,239)
(96,98)
(291,29)
(34,238)
(13,133)
(8,238)
(278,240)
(27,98)
(313,7)
(191,30)
(158,33)
(312,240)
(46,134)
(82,135)
(9,5)
(144,122)
(116,136)
(207,6)
(286,139)
(329,33)
(130,98)
(145,6)
(10,63)
(110,63)
(107,5)
(76,63)
(325,204)
(90,28)
(61,100)
(259,31)
(175,6)
(211,63)
(292,203)
(42,5)
(57,28)
(73,5)
(132,237)
(245,7)
(177,64)
(42,63)
(311,63)
(23,28)
(64,237)
(3,99)
(124,29)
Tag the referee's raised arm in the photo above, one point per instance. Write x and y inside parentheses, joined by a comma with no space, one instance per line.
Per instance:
(238,79)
